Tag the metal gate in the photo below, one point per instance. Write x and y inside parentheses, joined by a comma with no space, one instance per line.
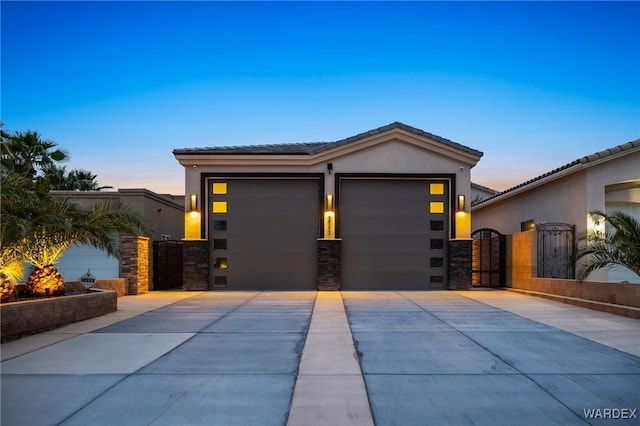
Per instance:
(556,243)
(488,258)
(167,265)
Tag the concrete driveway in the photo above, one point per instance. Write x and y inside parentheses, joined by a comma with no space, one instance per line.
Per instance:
(328,358)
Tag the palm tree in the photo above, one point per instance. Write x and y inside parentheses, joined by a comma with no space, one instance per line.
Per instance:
(54,177)
(607,250)
(83,180)
(38,228)
(96,226)
(58,178)
(26,153)
(18,202)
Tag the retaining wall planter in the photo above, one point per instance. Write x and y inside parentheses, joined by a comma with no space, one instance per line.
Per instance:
(20,319)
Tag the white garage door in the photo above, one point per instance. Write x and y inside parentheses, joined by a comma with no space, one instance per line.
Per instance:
(263,233)
(394,234)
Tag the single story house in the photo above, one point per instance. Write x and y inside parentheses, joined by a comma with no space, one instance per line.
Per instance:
(384,209)
(608,181)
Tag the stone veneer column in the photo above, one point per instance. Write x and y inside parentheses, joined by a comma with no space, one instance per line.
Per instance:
(134,263)
(329,263)
(195,265)
(459,264)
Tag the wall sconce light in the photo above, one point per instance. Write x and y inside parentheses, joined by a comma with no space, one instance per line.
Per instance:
(329,167)
(597,225)
(194,203)
(329,219)
(460,203)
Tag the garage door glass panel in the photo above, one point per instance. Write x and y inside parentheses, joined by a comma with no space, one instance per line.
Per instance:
(219,206)
(436,188)
(219,188)
(436,207)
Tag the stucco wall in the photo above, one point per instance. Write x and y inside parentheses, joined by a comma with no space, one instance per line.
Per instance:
(163,212)
(621,169)
(562,200)
(392,156)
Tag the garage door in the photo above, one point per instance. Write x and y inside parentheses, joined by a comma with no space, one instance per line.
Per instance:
(263,234)
(394,234)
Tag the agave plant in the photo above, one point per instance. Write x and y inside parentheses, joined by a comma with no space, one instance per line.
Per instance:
(606,250)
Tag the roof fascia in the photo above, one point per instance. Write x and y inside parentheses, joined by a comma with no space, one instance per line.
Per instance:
(243,159)
(341,150)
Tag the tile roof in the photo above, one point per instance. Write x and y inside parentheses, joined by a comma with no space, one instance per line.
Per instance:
(583,161)
(311,148)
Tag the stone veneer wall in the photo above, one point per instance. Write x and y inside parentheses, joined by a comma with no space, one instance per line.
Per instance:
(604,296)
(134,263)
(28,317)
(329,264)
(195,273)
(459,264)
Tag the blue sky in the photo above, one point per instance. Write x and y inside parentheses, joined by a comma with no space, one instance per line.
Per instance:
(119,85)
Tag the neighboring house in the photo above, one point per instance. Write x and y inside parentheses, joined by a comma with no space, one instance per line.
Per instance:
(164,214)
(479,193)
(391,206)
(608,180)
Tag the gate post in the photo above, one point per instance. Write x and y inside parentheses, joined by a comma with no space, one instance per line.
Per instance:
(134,263)
(195,265)
(459,264)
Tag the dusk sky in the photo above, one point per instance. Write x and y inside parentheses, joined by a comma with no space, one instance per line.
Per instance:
(119,85)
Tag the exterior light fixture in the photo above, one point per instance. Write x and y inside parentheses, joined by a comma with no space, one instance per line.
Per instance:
(597,225)
(192,219)
(329,219)
(329,167)
(194,203)
(460,203)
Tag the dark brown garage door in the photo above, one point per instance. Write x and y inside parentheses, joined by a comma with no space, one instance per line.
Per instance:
(263,233)
(394,234)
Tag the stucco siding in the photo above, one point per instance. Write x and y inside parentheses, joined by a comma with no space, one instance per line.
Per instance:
(562,200)
(623,169)
(393,156)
